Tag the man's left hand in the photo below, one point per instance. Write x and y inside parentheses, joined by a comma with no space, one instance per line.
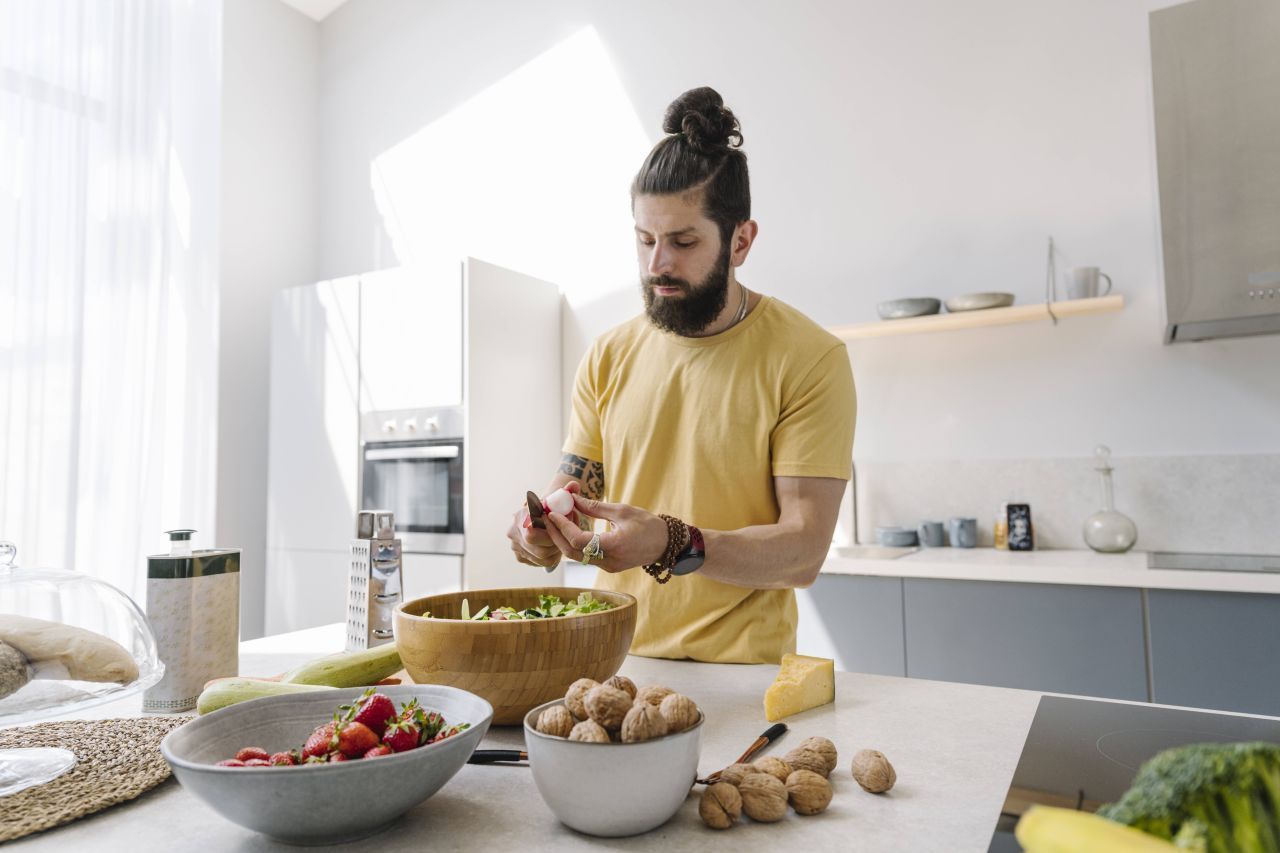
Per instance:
(635,537)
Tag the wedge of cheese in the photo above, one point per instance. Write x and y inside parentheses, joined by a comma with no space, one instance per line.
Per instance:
(803,682)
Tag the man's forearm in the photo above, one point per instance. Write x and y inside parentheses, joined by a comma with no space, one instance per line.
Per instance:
(766,556)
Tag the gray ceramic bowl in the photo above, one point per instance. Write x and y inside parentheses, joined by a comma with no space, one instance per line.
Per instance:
(896,309)
(897,537)
(300,805)
(979,301)
(613,789)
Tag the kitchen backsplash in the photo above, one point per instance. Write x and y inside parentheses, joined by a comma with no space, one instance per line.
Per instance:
(1224,503)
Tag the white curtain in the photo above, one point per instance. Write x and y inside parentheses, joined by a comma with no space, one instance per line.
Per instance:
(109,141)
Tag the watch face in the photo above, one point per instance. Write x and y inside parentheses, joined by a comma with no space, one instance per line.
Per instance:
(687,564)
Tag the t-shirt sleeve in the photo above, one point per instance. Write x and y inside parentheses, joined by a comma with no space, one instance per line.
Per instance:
(584,437)
(814,434)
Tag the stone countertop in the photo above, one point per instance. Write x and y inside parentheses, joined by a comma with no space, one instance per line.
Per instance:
(1075,567)
(954,747)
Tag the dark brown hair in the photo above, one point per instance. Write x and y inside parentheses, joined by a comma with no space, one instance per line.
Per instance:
(702,152)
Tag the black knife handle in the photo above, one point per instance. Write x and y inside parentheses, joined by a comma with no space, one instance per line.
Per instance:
(494,756)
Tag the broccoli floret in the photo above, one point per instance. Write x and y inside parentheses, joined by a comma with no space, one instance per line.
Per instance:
(1215,798)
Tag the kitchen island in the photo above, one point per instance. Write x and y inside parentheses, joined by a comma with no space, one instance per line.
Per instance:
(954,746)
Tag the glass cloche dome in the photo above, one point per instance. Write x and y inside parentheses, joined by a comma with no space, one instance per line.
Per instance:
(67,642)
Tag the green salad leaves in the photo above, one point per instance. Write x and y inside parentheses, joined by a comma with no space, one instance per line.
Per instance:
(549,607)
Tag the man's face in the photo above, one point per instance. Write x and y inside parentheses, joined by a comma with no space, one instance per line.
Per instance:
(684,269)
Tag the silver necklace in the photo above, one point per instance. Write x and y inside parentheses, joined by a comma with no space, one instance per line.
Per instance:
(742,309)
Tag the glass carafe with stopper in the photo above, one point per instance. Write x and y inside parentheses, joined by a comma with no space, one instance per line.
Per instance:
(1108,531)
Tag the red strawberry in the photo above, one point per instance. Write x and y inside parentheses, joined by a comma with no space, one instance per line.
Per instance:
(403,735)
(285,759)
(322,741)
(355,739)
(252,752)
(379,750)
(375,710)
(431,723)
(450,732)
(230,762)
(257,762)
(337,756)
(315,759)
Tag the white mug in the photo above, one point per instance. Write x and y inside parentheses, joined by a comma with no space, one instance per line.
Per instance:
(1082,282)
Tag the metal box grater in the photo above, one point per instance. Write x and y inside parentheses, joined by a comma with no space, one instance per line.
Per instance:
(373,585)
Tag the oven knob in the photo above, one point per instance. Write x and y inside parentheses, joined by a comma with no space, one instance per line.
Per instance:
(432,424)
(411,425)
(389,426)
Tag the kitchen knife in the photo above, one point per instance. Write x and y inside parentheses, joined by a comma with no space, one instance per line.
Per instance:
(536,516)
(770,734)
(497,756)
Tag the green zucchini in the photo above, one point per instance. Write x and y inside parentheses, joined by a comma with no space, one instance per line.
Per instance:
(349,669)
(229,691)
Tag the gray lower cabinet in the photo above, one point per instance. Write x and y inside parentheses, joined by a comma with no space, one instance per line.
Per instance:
(1057,638)
(855,621)
(1216,650)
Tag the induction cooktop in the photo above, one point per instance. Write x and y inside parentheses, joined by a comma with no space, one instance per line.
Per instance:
(1084,753)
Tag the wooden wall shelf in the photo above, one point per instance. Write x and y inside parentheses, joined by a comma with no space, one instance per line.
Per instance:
(977,319)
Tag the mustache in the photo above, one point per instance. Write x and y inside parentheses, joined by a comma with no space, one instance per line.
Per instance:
(666,281)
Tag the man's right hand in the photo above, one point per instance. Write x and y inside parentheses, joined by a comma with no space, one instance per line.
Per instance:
(531,545)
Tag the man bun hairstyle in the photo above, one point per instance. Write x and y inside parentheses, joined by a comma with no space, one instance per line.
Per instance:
(701,153)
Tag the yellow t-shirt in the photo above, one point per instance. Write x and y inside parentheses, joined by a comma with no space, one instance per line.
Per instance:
(698,428)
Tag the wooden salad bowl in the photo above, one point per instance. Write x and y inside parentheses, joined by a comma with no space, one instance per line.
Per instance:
(514,665)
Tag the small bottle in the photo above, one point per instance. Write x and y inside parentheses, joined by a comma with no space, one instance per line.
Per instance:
(1001,530)
(1108,531)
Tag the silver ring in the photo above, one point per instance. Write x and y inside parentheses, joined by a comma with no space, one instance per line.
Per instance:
(592,551)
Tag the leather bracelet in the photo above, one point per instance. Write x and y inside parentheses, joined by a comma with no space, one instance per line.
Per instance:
(676,531)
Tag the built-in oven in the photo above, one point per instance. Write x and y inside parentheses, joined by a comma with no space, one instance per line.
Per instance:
(412,464)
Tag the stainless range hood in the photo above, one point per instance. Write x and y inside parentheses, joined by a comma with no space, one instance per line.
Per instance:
(1216,79)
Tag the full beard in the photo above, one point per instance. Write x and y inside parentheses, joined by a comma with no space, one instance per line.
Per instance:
(690,314)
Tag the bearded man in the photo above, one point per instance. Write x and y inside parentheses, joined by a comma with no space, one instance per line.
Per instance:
(713,434)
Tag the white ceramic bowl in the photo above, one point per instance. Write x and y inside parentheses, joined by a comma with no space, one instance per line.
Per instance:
(613,789)
(326,803)
(897,309)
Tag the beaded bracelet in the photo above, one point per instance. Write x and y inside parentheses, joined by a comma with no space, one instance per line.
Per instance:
(676,532)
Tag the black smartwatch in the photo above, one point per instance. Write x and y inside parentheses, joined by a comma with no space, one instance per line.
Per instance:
(690,559)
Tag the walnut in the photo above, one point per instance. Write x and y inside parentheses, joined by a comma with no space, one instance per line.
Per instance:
(774,766)
(823,747)
(575,694)
(626,685)
(803,758)
(653,694)
(734,773)
(643,722)
(556,721)
(873,771)
(680,712)
(809,793)
(589,731)
(607,706)
(764,798)
(720,805)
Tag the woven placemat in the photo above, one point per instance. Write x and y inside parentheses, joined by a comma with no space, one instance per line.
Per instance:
(117,761)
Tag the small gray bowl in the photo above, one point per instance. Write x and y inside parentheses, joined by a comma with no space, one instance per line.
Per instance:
(324,803)
(897,309)
(897,537)
(613,789)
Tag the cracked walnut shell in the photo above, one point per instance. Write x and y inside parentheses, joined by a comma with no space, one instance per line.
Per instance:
(679,711)
(803,758)
(607,706)
(809,793)
(589,731)
(555,721)
(873,771)
(653,694)
(642,722)
(720,806)
(764,798)
(576,693)
(626,685)
(823,747)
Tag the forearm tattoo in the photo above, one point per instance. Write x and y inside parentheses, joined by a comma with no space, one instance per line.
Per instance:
(590,474)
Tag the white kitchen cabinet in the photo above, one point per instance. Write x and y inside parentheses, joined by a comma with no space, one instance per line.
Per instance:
(410,338)
(313,427)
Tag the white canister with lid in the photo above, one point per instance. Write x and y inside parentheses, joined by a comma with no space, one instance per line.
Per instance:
(193,605)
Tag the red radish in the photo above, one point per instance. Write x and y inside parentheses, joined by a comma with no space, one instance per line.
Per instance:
(559,501)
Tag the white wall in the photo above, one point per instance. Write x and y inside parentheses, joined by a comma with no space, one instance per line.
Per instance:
(914,148)
(269,240)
